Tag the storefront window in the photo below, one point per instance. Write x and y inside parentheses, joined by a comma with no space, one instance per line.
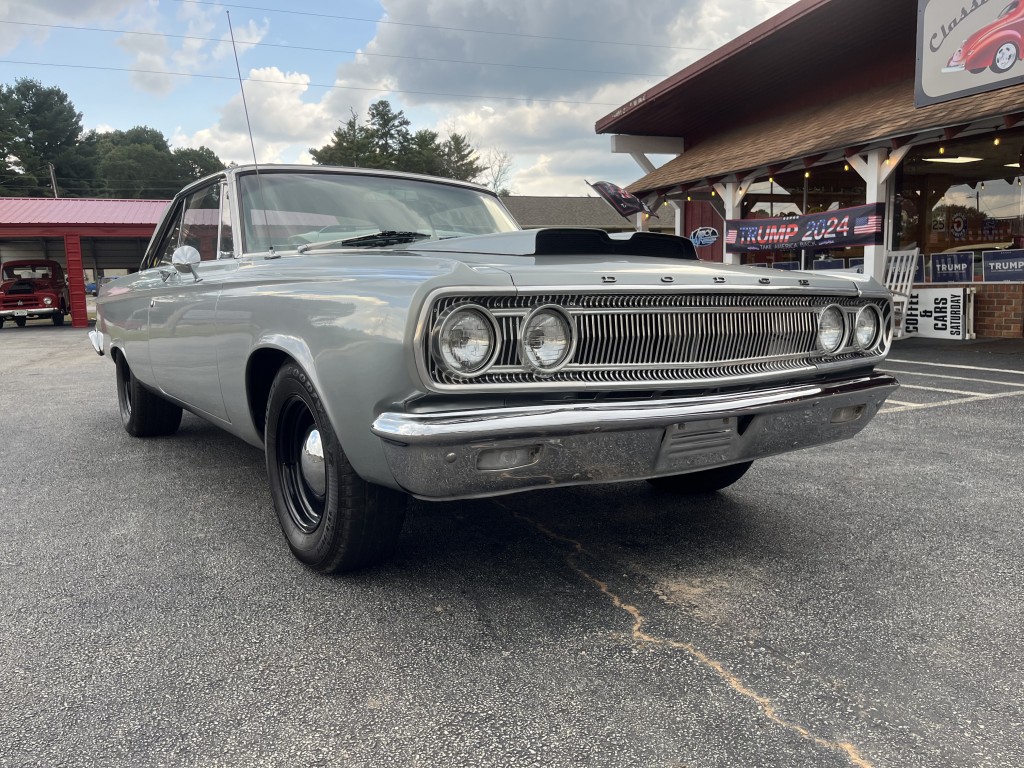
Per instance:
(960,197)
(793,193)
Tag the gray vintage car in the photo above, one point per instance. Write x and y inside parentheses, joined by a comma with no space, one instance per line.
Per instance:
(382,334)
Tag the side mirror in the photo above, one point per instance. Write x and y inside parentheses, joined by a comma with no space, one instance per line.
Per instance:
(184,259)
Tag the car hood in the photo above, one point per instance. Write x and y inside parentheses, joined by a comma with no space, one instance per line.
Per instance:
(578,258)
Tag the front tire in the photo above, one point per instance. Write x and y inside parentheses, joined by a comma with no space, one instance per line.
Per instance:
(333,519)
(705,481)
(1006,56)
(143,413)
(58,318)
(20,321)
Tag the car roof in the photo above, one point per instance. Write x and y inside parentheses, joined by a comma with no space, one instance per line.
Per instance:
(270,168)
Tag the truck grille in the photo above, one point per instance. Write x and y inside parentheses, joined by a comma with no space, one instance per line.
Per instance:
(666,339)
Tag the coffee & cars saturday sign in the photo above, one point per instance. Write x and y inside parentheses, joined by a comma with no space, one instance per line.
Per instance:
(941,313)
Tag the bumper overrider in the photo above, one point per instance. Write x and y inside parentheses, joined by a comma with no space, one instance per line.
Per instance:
(478,453)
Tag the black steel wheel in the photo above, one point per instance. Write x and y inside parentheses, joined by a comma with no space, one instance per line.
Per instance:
(332,518)
(705,481)
(57,317)
(143,413)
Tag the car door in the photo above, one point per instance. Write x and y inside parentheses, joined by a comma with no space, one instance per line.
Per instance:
(183,328)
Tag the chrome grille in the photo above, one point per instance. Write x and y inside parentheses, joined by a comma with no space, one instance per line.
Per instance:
(664,339)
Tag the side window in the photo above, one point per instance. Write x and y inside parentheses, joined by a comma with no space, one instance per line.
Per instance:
(200,221)
(170,241)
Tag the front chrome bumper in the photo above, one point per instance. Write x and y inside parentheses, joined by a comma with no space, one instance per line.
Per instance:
(28,312)
(449,455)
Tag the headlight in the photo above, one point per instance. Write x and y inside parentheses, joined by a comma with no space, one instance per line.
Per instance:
(466,340)
(867,327)
(547,340)
(47,301)
(831,329)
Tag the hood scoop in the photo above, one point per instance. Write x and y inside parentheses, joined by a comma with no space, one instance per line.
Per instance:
(574,242)
(559,241)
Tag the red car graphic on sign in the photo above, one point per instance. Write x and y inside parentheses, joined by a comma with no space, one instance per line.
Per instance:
(996,46)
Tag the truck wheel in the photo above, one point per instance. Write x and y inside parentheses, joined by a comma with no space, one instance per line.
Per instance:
(20,321)
(143,413)
(705,481)
(332,518)
(57,318)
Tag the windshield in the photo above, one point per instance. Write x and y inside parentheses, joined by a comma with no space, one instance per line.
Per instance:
(1008,10)
(28,272)
(293,209)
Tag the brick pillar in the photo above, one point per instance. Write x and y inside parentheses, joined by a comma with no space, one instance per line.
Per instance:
(76,281)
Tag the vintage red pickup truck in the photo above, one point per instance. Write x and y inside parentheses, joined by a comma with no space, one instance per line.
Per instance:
(33,288)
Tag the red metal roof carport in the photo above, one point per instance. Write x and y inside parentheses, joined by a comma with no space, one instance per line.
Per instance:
(75,219)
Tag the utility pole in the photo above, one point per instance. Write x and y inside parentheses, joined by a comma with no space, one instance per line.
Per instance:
(53,180)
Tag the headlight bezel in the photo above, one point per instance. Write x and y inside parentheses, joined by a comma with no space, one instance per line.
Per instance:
(843,333)
(444,322)
(879,331)
(570,350)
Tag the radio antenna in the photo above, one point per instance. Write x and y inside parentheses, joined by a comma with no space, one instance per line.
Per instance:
(248,125)
(241,87)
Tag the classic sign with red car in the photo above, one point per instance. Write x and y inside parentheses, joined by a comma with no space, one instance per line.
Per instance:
(996,46)
(33,288)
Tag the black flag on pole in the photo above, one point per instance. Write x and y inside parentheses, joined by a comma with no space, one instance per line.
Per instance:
(624,203)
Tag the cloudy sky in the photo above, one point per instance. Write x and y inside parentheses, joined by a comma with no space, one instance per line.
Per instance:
(527,78)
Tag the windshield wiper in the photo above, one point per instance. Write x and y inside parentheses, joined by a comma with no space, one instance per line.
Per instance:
(373,240)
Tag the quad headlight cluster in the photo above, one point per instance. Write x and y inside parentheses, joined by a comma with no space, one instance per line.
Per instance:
(467,340)
(837,324)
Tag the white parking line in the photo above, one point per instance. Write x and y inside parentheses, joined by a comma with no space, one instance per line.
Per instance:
(955,378)
(959,367)
(958,401)
(939,389)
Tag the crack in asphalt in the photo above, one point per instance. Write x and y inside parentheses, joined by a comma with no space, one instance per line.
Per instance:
(763,703)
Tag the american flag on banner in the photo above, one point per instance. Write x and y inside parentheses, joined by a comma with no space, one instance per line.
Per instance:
(867,225)
(730,237)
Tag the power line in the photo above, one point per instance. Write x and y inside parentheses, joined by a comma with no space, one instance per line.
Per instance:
(332,86)
(312,49)
(438,27)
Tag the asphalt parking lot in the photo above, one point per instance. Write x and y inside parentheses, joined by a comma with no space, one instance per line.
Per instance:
(856,605)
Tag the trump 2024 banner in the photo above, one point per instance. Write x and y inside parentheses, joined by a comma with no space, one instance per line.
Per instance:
(862,225)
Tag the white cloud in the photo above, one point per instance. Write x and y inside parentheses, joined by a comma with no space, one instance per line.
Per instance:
(284,124)
(562,55)
(23,13)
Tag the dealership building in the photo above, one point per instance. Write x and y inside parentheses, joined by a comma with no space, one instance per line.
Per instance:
(840,131)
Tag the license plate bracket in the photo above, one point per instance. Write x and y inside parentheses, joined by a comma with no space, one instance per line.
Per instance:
(698,443)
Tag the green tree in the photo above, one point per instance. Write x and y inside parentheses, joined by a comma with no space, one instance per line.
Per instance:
(459,159)
(139,163)
(386,141)
(38,126)
(351,145)
(195,163)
